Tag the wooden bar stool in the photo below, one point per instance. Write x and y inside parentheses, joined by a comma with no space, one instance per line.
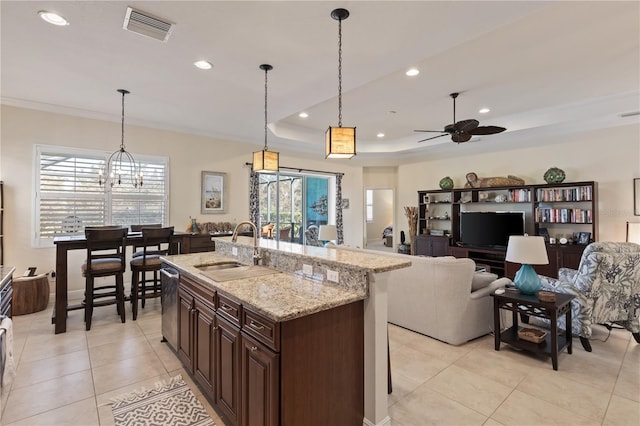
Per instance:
(155,243)
(105,257)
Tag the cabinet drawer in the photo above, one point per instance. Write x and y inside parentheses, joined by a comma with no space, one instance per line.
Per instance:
(261,328)
(229,309)
(206,294)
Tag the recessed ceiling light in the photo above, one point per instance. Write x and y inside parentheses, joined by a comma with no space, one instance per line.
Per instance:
(53,18)
(380,135)
(484,110)
(303,115)
(203,65)
(412,72)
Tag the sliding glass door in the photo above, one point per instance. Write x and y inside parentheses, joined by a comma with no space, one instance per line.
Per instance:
(290,203)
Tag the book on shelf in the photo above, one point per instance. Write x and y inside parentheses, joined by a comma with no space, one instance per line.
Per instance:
(555,215)
(578,193)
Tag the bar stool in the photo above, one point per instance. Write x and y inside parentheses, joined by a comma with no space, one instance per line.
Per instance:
(137,249)
(105,257)
(155,243)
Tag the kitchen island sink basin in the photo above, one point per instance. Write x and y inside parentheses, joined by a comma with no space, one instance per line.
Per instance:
(231,270)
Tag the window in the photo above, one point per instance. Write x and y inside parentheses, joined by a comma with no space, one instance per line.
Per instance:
(369,202)
(68,196)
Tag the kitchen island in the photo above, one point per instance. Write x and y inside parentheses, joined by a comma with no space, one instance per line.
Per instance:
(289,347)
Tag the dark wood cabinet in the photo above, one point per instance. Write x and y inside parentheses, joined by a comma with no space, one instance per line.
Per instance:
(227,395)
(260,384)
(185,328)
(560,256)
(200,243)
(205,349)
(431,245)
(260,372)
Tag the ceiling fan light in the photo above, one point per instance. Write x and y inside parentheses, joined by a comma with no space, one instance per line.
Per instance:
(340,142)
(266,161)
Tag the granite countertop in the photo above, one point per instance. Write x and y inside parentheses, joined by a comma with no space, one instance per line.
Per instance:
(280,297)
(366,261)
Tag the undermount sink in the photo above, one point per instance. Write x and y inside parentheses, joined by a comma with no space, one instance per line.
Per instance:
(232,270)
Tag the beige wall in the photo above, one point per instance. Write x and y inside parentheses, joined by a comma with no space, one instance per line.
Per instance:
(611,157)
(382,214)
(188,155)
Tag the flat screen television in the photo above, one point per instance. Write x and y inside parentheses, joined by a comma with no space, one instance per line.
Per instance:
(490,229)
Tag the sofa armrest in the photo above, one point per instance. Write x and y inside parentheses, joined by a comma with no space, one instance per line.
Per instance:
(566,274)
(486,291)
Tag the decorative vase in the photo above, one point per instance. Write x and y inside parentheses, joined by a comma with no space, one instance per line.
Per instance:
(446,183)
(195,229)
(554,175)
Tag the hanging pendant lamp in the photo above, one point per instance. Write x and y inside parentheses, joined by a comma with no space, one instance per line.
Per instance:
(340,142)
(265,161)
(121,164)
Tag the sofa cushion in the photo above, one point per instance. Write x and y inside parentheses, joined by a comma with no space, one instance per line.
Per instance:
(482,279)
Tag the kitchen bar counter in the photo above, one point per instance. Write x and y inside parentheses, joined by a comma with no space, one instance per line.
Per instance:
(280,297)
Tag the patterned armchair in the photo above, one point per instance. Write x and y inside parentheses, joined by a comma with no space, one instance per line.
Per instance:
(606,287)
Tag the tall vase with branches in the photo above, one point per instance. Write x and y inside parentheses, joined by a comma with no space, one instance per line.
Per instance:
(411,212)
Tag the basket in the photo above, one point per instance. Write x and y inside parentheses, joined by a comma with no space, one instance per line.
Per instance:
(532,335)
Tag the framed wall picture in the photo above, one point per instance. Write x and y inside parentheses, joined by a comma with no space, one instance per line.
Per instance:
(213,193)
(636,196)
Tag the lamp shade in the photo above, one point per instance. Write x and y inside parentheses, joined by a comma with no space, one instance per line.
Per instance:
(265,161)
(328,233)
(633,232)
(527,250)
(340,142)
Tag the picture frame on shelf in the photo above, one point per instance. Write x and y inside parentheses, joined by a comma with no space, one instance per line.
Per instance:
(584,238)
(213,194)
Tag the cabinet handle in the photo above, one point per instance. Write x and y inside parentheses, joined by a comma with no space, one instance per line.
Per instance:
(256,326)
(253,348)
(226,307)
(215,328)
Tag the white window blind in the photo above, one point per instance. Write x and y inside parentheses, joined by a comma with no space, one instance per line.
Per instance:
(69,198)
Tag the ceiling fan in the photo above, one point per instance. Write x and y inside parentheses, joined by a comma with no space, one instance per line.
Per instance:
(462,131)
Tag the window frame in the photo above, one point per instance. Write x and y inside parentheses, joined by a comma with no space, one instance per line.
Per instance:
(39,149)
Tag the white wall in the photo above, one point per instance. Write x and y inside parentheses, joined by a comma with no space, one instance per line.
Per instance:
(188,156)
(611,157)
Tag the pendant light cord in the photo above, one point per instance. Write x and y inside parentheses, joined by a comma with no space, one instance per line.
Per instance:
(266,71)
(339,72)
(122,125)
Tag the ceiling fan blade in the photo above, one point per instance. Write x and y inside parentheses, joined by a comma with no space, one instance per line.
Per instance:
(430,131)
(487,130)
(433,137)
(465,126)
(460,137)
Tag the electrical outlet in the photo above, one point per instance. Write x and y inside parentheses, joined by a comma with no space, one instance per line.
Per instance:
(307,269)
(234,251)
(332,275)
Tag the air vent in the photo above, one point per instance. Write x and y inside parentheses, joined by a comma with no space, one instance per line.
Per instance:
(148,25)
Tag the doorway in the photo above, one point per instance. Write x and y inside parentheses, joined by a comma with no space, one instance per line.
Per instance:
(379,219)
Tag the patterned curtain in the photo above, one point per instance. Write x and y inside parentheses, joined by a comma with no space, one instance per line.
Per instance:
(339,208)
(254,197)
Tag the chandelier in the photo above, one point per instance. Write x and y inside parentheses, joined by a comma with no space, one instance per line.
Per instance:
(121,165)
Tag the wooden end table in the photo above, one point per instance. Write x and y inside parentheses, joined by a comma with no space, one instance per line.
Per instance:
(530,305)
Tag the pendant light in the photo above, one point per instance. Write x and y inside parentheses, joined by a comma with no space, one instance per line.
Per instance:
(340,141)
(265,161)
(121,163)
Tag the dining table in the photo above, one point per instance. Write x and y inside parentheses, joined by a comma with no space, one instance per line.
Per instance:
(180,244)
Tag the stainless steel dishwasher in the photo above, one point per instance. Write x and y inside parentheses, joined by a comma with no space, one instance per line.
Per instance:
(169,280)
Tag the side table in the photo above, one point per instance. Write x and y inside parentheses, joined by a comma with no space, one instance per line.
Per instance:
(530,305)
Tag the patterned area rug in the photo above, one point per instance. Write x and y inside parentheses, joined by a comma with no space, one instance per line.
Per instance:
(170,403)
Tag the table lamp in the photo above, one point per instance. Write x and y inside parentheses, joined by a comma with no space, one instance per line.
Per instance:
(633,232)
(528,251)
(328,233)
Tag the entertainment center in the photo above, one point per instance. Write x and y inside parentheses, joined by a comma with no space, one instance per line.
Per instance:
(476,223)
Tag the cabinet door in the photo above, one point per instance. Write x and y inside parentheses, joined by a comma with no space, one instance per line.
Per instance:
(423,245)
(228,369)
(260,384)
(205,347)
(439,246)
(185,329)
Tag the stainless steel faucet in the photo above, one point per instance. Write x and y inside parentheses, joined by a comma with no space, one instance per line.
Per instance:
(256,251)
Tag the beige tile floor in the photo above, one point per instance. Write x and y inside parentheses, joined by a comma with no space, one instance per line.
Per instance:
(67,379)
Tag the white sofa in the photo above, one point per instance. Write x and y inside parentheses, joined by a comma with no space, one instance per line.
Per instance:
(442,297)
